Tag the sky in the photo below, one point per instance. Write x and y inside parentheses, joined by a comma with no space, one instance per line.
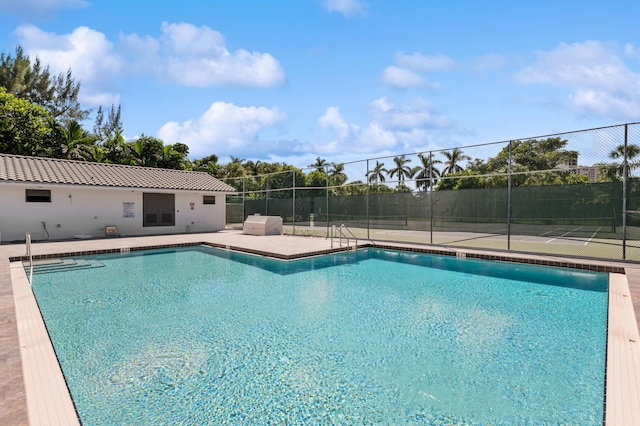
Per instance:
(344,80)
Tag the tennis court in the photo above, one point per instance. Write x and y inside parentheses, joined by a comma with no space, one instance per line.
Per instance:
(575,240)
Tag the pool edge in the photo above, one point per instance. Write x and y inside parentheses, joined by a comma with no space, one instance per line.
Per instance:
(622,393)
(48,399)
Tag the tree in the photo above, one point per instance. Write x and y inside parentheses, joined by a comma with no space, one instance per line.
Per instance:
(98,154)
(402,189)
(24,126)
(463,180)
(284,179)
(379,188)
(320,164)
(201,165)
(316,179)
(106,129)
(253,168)
(427,174)
(615,171)
(57,94)
(116,150)
(174,156)
(355,188)
(401,170)
(377,173)
(146,151)
(234,169)
(337,176)
(75,142)
(453,159)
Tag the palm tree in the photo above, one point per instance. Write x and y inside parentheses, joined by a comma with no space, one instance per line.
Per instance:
(97,154)
(453,158)
(137,152)
(427,174)
(234,170)
(377,173)
(615,172)
(337,174)
(173,157)
(401,170)
(320,164)
(76,143)
(116,149)
(253,168)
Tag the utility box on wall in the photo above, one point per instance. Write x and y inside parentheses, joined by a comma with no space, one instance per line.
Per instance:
(262,225)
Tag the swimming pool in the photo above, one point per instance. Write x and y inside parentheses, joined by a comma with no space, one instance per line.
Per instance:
(206,335)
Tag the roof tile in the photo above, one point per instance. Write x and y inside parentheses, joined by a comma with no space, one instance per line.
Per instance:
(16,168)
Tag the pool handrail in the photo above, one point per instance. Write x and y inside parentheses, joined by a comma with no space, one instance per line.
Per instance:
(341,233)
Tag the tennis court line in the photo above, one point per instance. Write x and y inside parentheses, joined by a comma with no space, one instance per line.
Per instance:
(594,234)
(565,234)
(585,241)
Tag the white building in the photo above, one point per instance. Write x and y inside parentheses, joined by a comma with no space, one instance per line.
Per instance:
(55,199)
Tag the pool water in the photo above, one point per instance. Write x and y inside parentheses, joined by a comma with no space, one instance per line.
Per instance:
(205,336)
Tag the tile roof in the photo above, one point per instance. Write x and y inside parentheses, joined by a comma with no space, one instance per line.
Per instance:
(17,168)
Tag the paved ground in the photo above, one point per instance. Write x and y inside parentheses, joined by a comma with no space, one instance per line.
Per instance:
(13,407)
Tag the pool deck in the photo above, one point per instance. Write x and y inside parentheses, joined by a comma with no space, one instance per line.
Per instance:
(33,391)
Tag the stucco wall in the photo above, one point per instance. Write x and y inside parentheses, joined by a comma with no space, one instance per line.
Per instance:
(78,210)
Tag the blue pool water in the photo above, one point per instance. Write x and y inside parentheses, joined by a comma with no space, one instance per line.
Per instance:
(206,336)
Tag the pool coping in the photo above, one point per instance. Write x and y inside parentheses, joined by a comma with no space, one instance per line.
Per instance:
(49,402)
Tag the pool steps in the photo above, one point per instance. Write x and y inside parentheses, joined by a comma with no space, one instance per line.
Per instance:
(45,266)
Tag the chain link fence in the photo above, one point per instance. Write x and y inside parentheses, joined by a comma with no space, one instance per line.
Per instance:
(574,193)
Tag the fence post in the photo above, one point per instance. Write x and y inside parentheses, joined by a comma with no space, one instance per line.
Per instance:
(430,197)
(244,191)
(625,172)
(367,176)
(293,172)
(509,202)
(266,197)
(326,172)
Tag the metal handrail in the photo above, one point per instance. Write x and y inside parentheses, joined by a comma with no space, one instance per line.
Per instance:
(28,242)
(343,226)
(341,233)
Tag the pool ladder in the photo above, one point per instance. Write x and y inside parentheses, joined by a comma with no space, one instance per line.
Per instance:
(341,233)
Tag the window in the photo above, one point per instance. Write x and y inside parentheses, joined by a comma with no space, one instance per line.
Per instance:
(208,199)
(38,196)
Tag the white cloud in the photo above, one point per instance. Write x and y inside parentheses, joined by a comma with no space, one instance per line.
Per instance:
(604,104)
(600,82)
(197,56)
(375,137)
(38,8)
(90,56)
(424,63)
(632,51)
(333,119)
(406,73)
(184,54)
(345,7)
(336,128)
(417,113)
(392,126)
(401,78)
(224,129)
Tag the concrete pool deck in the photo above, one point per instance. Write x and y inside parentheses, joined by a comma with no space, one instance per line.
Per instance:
(33,389)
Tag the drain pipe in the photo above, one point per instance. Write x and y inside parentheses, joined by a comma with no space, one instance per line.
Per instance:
(44,226)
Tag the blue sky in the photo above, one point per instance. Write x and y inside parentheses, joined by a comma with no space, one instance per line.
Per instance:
(291,80)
